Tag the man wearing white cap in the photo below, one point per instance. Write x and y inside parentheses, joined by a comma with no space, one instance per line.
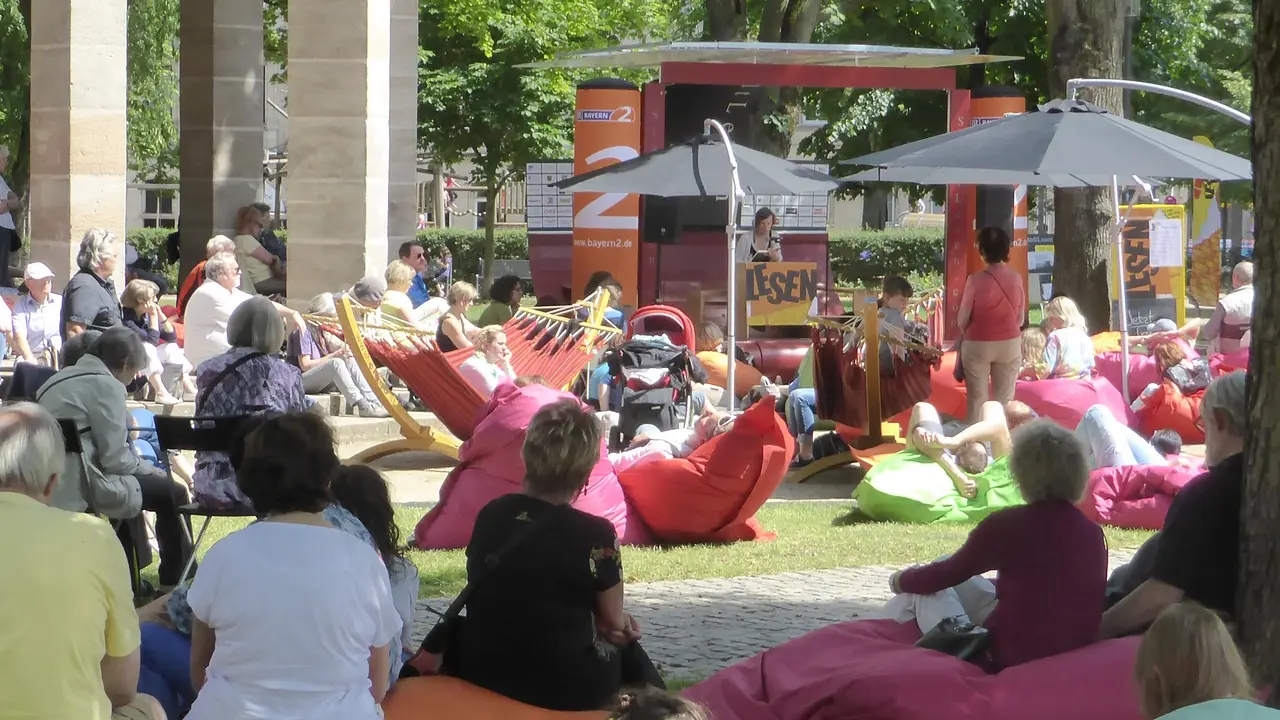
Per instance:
(36,317)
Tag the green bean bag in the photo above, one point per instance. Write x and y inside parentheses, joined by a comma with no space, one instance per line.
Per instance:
(908,487)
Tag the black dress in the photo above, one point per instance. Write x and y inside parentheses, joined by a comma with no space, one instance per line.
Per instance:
(443,340)
(530,630)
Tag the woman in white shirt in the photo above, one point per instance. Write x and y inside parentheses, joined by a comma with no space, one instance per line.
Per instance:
(36,317)
(294,619)
(491,365)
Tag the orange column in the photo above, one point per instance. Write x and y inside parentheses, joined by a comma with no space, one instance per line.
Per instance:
(996,205)
(606,226)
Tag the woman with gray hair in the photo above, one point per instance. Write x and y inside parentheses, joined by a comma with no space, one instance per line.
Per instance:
(248,379)
(90,299)
(327,364)
(1050,560)
(114,480)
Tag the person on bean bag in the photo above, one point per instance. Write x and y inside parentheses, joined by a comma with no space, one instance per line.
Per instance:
(939,478)
(1174,403)
(1111,443)
(1068,353)
(547,625)
(1050,560)
(1034,341)
(1188,668)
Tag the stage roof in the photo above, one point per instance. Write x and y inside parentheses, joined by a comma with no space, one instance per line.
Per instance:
(787,54)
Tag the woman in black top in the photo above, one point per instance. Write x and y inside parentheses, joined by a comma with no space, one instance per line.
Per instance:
(455,329)
(545,622)
(140,312)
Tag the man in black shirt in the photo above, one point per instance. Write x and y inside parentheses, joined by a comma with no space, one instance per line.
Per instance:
(1198,554)
(90,299)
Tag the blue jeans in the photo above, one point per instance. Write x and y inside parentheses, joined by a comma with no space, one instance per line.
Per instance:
(1113,444)
(801,411)
(147,446)
(166,668)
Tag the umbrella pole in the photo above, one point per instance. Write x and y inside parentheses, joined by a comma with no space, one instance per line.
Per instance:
(1121,292)
(731,231)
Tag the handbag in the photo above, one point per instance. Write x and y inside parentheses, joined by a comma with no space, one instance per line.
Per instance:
(432,654)
(1190,377)
(958,638)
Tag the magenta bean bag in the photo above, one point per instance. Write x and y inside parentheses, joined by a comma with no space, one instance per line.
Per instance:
(1065,401)
(1135,496)
(490,466)
(1227,363)
(869,670)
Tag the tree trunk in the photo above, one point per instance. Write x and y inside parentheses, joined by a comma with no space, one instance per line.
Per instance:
(1086,41)
(1258,596)
(490,231)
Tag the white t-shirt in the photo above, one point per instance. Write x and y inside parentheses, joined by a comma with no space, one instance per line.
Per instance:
(483,375)
(294,610)
(208,310)
(6,218)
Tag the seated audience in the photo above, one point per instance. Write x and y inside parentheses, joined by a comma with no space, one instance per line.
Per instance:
(975,449)
(248,378)
(292,617)
(1034,341)
(264,273)
(195,278)
(69,646)
(1068,354)
(491,365)
(560,587)
(504,301)
(1197,554)
(1188,668)
(710,352)
(268,238)
(655,704)
(894,296)
(1189,375)
(89,299)
(211,307)
(397,304)
(119,484)
(802,409)
(140,267)
(1050,560)
(1229,328)
(415,256)
(1111,443)
(327,365)
(604,279)
(456,330)
(36,317)
(141,313)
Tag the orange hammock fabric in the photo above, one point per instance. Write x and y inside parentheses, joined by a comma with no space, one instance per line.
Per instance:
(840,382)
(551,350)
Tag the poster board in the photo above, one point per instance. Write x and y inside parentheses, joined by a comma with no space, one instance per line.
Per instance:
(778,293)
(1039,269)
(548,209)
(1153,267)
(807,211)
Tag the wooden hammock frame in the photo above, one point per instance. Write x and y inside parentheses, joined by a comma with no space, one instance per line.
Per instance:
(880,438)
(416,437)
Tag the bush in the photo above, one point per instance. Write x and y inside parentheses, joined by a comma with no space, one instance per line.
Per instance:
(150,244)
(863,257)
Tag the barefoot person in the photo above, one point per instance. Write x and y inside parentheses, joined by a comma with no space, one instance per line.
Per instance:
(973,450)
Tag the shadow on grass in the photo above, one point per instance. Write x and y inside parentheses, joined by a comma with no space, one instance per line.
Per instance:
(853,517)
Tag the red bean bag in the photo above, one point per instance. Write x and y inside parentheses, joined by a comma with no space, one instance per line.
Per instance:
(713,495)
(1134,496)
(948,395)
(490,466)
(1227,363)
(870,670)
(1065,401)
(1168,409)
(446,698)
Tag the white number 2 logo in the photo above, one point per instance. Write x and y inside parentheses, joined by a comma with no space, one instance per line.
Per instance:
(592,215)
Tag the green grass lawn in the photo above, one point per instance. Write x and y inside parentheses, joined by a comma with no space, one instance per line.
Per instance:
(811,536)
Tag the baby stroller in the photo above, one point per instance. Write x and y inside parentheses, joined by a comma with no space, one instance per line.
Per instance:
(656,387)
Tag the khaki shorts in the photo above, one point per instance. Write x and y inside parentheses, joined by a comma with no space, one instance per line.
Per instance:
(143,707)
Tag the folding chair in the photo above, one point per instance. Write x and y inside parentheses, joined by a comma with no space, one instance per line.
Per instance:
(71,442)
(199,434)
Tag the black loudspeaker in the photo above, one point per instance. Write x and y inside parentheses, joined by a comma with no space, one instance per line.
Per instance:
(660,219)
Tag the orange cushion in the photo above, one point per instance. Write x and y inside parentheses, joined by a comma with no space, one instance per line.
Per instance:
(713,495)
(1105,342)
(446,698)
(716,364)
(1167,408)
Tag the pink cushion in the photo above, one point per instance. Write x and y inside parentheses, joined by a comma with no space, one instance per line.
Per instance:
(868,669)
(1143,369)
(1065,401)
(1227,363)
(1136,496)
(490,466)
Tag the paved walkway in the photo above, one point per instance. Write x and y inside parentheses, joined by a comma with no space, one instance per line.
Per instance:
(692,628)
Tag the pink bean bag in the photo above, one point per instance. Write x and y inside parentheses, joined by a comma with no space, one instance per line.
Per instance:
(869,670)
(1065,401)
(490,466)
(1135,496)
(1227,363)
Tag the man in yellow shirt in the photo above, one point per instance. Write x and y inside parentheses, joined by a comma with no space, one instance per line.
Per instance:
(69,643)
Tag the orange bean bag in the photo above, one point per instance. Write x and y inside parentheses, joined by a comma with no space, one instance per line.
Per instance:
(446,698)
(713,495)
(1167,408)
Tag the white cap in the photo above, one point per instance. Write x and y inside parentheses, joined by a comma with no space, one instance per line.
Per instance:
(37,271)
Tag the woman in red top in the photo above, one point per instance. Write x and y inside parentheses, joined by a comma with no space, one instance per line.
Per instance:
(1050,560)
(992,309)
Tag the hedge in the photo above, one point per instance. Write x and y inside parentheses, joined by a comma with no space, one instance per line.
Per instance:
(860,257)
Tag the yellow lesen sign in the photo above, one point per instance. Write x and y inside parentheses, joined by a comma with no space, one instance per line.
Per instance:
(779,293)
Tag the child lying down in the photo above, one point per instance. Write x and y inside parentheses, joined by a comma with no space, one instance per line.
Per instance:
(651,444)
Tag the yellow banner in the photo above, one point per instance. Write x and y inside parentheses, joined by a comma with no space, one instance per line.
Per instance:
(779,293)
(1206,240)
(1154,277)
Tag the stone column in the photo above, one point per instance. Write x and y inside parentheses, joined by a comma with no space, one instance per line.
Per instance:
(78,152)
(339,107)
(221,106)
(402,214)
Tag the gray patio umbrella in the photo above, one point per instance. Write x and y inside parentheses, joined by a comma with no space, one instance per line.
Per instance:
(708,166)
(700,167)
(1069,140)
(956,176)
